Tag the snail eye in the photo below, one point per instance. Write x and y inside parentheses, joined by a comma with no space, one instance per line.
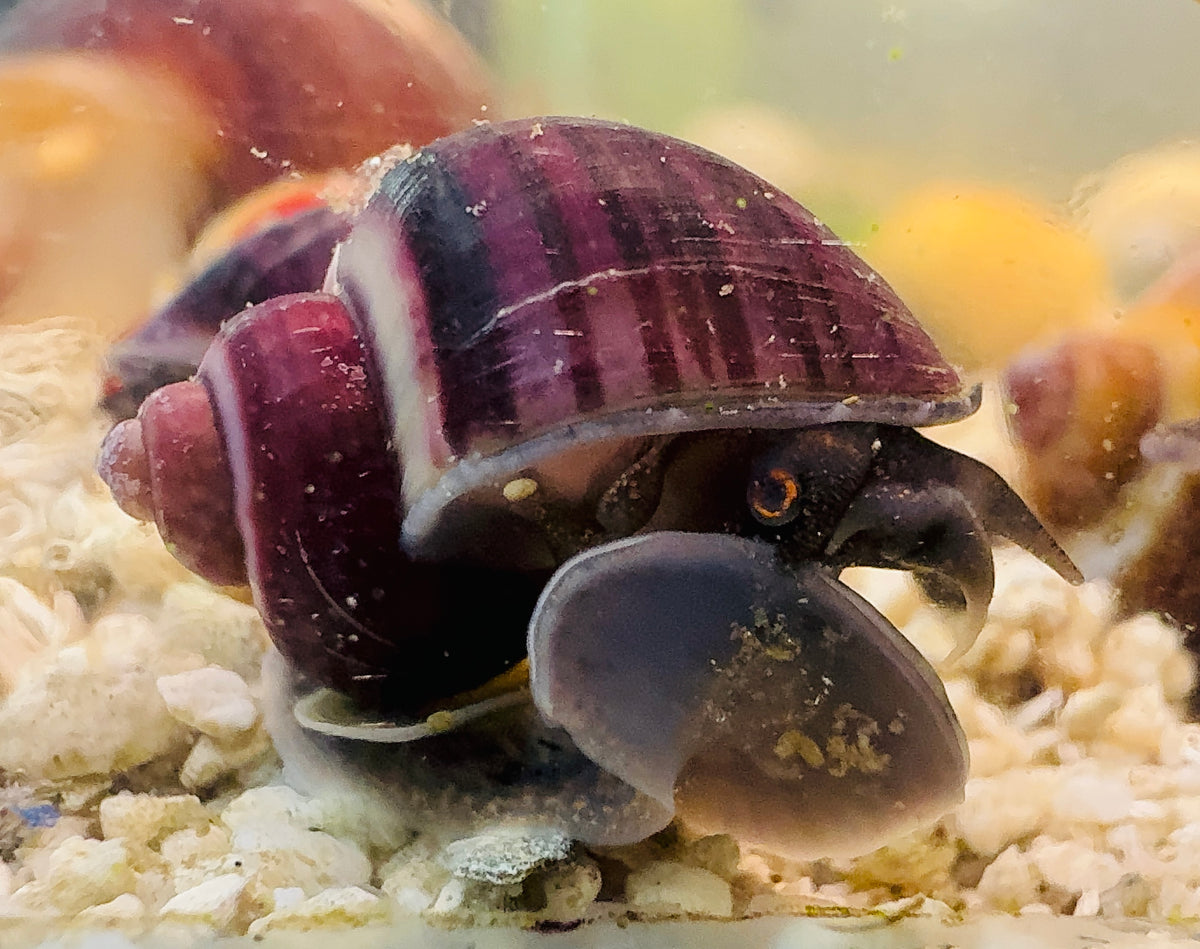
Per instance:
(773,497)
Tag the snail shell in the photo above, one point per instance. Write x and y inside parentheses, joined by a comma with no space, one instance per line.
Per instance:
(532,286)
(287,256)
(538,339)
(532,301)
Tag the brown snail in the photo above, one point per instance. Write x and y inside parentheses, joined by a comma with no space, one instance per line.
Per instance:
(265,76)
(590,393)
(125,124)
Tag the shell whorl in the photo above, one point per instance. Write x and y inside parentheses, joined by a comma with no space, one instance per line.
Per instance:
(553,271)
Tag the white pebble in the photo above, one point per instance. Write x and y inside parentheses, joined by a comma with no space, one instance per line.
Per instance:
(1085,713)
(1088,904)
(1135,651)
(124,908)
(1179,745)
(273,823)
(1009,882)
(414,877)
(1094,798)
(286,897)
(451,897)
(334,908)
(1074,866)
(81,872)
(211,758)
(212,700)
(147,819)
(187,848)
(1003,809)
(213,902)
(1141,720)
(85,714)
(674,888)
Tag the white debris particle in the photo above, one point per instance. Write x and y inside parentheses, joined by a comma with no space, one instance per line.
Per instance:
(213,903)
(726,289)
(212,700)
(506,855)
(335,908)
(519,489)
(673,889)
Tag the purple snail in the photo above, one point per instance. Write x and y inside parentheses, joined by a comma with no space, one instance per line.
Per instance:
(288,256)
(592,395)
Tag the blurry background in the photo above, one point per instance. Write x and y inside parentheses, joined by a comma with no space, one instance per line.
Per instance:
(1025,92)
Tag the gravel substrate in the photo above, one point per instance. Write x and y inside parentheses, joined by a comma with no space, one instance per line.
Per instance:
(142,796)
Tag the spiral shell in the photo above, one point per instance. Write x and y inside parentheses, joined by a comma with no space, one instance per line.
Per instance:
(526,284)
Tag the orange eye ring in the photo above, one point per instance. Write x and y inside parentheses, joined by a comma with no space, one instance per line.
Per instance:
(773,496)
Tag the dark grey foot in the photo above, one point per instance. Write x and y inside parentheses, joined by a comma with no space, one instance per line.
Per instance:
(767,702)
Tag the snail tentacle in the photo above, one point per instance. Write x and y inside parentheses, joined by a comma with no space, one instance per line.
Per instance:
(932,531)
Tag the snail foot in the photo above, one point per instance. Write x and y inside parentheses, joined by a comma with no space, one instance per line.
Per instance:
(752,698)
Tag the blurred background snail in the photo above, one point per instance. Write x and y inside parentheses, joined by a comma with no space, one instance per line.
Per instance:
(141,118)
(590,394)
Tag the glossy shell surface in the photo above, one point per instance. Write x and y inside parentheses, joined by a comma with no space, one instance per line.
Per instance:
(518,279)
(528,302)
(585,393)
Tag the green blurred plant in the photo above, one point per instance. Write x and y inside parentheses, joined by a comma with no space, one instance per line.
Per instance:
(653,62)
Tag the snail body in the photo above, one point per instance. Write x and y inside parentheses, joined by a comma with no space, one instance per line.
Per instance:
(589,393)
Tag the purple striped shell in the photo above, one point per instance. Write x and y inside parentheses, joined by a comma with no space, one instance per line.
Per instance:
(535,283)
(530,302)
(588,394)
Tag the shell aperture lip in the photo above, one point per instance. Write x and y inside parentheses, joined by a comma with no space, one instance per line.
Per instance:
(753,698)
(327,712)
